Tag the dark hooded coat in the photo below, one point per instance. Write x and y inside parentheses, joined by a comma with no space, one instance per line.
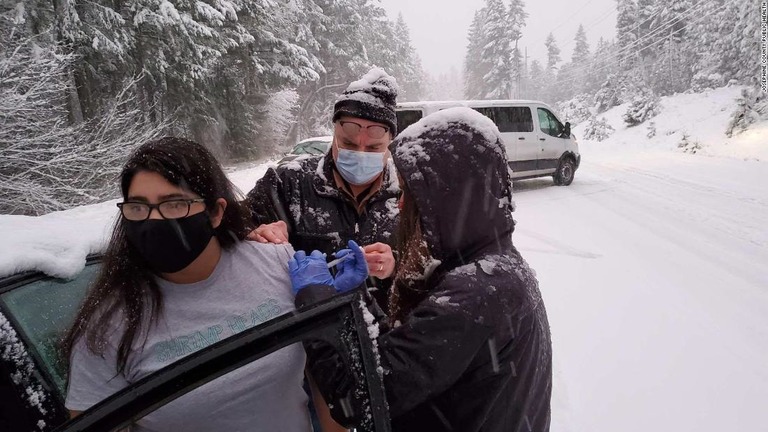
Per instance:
(475,353)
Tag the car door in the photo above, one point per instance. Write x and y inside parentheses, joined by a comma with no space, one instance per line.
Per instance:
(35,310)
(338,323)
(551,138)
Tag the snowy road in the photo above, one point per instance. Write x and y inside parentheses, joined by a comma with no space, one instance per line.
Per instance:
(654,269)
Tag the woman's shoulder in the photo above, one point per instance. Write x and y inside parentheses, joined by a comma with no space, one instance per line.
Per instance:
(263,253)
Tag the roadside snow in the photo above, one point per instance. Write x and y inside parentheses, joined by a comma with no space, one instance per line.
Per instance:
(702,117)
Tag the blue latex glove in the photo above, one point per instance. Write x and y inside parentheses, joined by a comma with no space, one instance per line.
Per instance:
(353,271)
(308,270)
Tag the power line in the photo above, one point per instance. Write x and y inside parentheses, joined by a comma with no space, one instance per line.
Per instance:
(570,18)
(618,61)
(663,27)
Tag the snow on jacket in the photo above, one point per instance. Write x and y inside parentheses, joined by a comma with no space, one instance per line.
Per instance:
(321,217)
(475,355)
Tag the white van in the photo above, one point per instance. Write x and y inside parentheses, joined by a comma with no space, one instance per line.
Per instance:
(535,148)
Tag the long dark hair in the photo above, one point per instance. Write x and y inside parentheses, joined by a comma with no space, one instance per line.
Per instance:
(409,287)
(125,285)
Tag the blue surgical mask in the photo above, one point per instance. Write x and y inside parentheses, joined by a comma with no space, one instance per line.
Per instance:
(359,168)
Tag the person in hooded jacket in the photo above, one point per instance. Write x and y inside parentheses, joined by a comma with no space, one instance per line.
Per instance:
(466,346)
(349,193)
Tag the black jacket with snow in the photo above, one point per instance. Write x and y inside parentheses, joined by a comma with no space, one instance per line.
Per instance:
(319,216)
(475,354)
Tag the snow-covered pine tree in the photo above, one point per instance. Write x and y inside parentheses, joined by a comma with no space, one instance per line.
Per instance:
(598,129)
(536,81)
(549,90)
(746,41)
(702,35)
(672,68)
(407,68)
(581,47)
(626,32)
(497,52)
(475,66)
(516,16)
(353,35)
(579,70)
(553,52)
(601,65)
(648,20)
(644,106)
(752,108)
(576,109)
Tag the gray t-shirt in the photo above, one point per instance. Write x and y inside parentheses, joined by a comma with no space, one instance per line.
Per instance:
(250,285)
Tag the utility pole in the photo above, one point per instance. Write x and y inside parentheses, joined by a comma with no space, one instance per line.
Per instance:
(527,77)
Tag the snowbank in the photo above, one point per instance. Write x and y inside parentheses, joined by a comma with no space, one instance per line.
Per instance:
(702,117)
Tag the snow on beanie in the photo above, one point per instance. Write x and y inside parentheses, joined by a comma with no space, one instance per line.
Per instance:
(373,97)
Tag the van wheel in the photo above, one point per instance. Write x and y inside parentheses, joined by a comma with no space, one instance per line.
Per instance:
(565,172)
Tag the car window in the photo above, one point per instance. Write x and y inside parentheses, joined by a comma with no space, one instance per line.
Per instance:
(488,112)
(549,124)
(42,310)
(406,118)
(509,119)
(513,119)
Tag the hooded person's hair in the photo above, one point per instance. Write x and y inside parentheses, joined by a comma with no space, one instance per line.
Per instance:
(373,97)
(457,199)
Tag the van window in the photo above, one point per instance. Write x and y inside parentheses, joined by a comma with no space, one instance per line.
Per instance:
(509,119)
(549,124)
(406,118)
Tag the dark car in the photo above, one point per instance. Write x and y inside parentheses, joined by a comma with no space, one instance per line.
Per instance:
(36,309)
(309,146)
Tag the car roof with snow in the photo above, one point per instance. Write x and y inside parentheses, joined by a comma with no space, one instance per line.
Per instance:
(469,103)
(57,243)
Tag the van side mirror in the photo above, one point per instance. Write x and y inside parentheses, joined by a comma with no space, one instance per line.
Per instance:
(567,130)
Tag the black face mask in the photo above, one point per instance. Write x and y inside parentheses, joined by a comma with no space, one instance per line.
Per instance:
(170,245)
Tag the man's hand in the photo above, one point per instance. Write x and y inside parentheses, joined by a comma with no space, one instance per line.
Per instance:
(381,262)
(276,232)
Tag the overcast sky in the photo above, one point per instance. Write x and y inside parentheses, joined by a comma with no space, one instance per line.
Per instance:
(439,27)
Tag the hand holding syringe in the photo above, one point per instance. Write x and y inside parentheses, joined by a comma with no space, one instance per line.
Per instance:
(338,261)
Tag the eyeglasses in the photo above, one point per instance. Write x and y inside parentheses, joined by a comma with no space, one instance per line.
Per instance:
(171,209)
(373,131)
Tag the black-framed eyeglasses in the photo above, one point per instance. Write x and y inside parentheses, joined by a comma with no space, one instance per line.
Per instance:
(373,131)
(171,209)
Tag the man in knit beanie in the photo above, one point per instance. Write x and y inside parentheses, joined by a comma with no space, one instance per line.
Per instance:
(373,98)
(350,193)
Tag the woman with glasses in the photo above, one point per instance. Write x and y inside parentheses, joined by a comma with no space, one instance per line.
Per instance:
(178,276)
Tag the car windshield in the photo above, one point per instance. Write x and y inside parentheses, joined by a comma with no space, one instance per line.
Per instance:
(310,147)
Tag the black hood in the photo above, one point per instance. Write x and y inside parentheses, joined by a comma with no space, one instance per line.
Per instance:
(454,164)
